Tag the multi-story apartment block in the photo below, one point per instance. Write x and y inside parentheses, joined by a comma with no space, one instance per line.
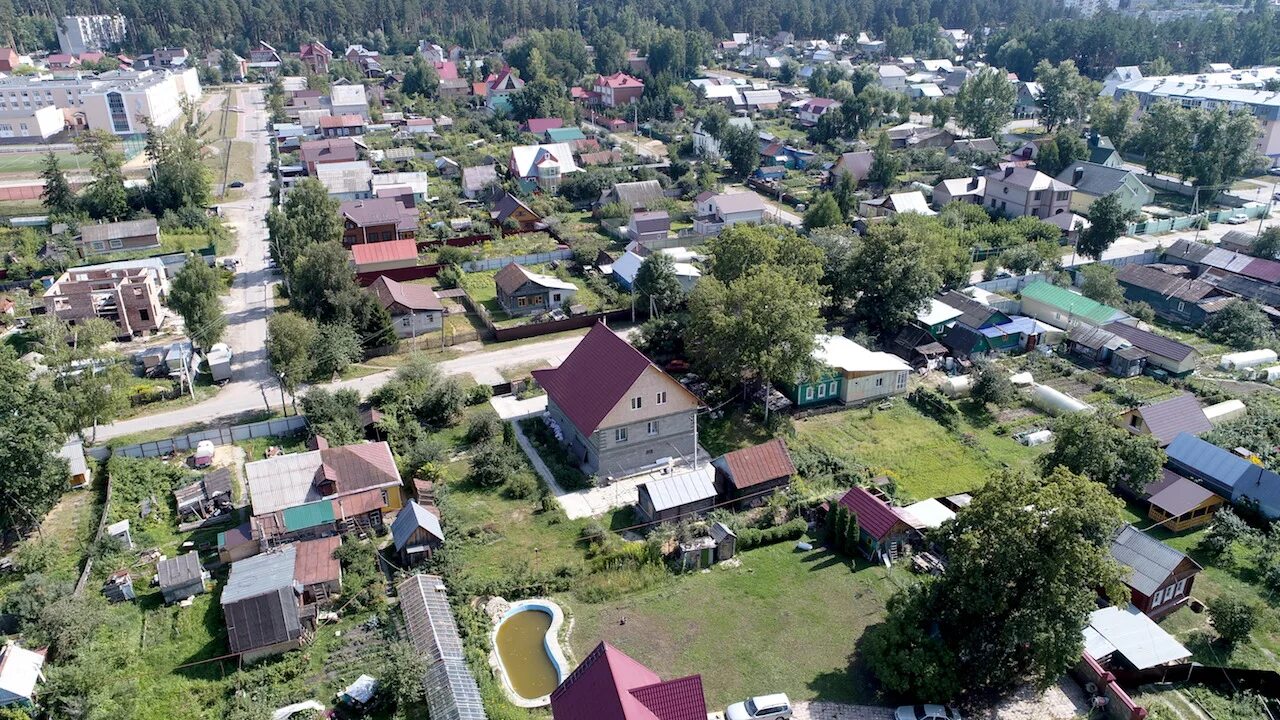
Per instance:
(90,33)
(115,101)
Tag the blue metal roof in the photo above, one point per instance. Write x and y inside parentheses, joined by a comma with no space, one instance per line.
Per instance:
(1226,473)
(1017,325)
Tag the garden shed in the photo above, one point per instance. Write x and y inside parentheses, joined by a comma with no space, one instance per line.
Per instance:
(416,532)
(676,496)
(181,577)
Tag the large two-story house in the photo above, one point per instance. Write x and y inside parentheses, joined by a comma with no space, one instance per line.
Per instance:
(618,413)
(1018,192)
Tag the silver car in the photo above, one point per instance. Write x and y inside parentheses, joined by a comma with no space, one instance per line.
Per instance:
(762,707)
(926,712)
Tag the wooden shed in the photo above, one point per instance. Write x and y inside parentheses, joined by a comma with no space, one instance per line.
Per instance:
(677,496)
(1179,504)
(750,475)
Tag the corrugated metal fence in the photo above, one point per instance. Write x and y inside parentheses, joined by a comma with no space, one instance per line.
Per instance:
(219,436)
(534,259)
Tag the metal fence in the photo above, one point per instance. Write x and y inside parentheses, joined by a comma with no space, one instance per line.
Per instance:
(499,263)
(219,436)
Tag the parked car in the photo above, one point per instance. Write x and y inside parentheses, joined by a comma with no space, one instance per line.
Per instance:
(926,712)
(1237,219)
(236,184)
(1274,171)
(761,707)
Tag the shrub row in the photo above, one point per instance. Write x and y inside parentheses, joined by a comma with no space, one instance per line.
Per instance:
(751,538)
(554,455)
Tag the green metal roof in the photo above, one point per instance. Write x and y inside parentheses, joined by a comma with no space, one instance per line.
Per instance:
(1070,303)
(565,134)
(304,516)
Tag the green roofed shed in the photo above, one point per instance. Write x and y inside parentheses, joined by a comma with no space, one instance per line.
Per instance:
(564,134)
(301,517)
(1062,308)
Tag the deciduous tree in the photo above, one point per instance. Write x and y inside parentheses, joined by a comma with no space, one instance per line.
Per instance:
(32,476)
(1242,325)
(1065,95)
(194,295)
(1108,220)
(656,284)
(1024,565)
(1089,445)
(893,278)
(1100,284)
(290,341)
(984,104)
(105,198)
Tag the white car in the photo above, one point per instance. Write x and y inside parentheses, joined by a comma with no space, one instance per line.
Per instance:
(762,707)
(926,712)
(1237,219)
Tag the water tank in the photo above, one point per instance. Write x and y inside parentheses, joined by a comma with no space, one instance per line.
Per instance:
(958,386)
(1242,360)
(1038,437)
(1055,402)
(1224,411)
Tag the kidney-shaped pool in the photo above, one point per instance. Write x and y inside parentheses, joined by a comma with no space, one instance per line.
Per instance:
(528,651)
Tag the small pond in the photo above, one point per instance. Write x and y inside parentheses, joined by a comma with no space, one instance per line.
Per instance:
(522,647)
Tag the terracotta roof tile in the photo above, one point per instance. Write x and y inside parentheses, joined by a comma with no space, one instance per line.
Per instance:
(609,685)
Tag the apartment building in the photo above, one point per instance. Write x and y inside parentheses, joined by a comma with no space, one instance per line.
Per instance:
(129,297)
(115,101)
(90,33)
(1233,89)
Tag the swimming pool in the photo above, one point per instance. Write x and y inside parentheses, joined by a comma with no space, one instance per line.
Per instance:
(527,652)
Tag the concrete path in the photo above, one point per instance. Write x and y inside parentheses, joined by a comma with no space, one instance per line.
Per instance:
(837,711)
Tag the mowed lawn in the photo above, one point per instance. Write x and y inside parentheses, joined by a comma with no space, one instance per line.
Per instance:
(784,621)
(925,459)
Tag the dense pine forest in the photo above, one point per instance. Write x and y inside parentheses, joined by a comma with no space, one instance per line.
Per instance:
(1018,33)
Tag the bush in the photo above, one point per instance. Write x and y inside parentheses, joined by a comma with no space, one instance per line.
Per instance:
(932,403)
(751,538)
(563,466)
(494,463)
(1233,619)
(484,426)
(521,486)
(479,394)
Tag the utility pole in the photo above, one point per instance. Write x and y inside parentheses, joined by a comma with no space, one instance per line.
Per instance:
(284,409)
(1262,218)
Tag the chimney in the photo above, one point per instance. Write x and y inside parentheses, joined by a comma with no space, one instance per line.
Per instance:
(1008,170)
(973,183)
(1076,175)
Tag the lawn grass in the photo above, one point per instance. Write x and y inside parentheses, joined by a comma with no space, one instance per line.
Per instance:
(71,526)
(1222,577)
(30,163)
(784,621)
(924,458)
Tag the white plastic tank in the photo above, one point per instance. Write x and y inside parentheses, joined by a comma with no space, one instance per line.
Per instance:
(1055,402)
(1247,359)
(1224,411)
(958,386)
(1038,437)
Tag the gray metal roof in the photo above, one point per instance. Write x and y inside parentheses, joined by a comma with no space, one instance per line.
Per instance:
(410,519)
(260,574)
(1150,562)
(682,488)
(1155,344)
(179,571)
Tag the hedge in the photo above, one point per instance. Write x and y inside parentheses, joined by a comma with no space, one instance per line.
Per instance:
(792,530)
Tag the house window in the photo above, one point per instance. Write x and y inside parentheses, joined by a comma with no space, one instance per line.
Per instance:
(1037,195)
(620,435)
(98,245)
(879,381)
(555,297)
(144,315)
(538,299)
(385,499)
(405,321)
(831,388)
(637,403)
(822,391)
(117,243)
(808,393)
(901,383)
(1182,587)
(651,427)
(521,302)
(1181,305)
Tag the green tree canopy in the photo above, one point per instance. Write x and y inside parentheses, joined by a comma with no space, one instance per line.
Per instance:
(1242,325)
(824,212)
(290,341)
(984,104)
(32,476)
(1024,563)
(194,295)
(1090,445)
(893,277)
(740,248)
(58,197)
(1108,220)
(1100,284)
(1065,95)
(657,285)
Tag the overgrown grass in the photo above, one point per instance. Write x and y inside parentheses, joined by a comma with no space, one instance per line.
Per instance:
(924,458)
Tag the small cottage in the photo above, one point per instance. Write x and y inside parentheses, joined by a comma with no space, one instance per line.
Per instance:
(318,570)
(883,530)
(20,671)
(1158,576)
(1165,419)
(1178,504)
(683,494)
(750,475)
(416,533)
(181,577)
(521,291)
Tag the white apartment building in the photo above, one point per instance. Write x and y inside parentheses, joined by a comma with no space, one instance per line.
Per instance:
(1232,89)
(115,101)
(90,33)
(37,124)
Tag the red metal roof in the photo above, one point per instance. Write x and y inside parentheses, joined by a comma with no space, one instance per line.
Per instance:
(595,376)
(384,251)
(609,685)
(1262,269)
(340,121)
(537,126)
(619,80)
(315,561)
(760,464)
(875,516)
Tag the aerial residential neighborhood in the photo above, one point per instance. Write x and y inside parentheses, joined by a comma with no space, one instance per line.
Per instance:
(621,361)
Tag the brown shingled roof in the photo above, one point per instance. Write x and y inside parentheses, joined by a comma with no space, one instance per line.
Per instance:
(413,297)
(753,466)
